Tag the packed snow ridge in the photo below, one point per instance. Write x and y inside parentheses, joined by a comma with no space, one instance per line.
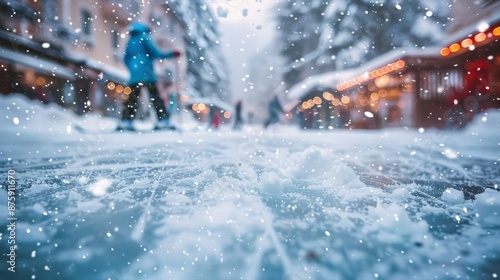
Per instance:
(280,203)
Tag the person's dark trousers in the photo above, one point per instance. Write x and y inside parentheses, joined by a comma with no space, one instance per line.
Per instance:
(237,123)
(273,119)
(131,104)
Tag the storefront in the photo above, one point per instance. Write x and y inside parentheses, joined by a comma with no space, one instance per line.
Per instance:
(36,77)
(414,87)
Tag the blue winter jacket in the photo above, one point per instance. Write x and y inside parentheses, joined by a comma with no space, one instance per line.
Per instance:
(140,55)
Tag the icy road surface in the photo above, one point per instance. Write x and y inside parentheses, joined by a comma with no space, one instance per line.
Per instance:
(277,204)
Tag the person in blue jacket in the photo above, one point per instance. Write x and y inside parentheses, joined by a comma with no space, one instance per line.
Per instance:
(139,58)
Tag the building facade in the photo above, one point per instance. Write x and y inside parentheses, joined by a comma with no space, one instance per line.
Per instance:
(71,51)
(442,86)
(29,63)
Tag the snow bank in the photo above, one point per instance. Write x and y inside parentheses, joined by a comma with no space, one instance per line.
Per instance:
(251,204)
(487,122)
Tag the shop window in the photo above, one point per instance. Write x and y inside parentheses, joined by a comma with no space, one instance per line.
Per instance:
(495,80)
(115,45)
(115,39)
(86,27)
(50,10)
(86,22)
(434,84)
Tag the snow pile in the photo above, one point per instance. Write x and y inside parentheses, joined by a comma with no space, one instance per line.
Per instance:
(271,183)
(487,122)
(100,187)
(315,168)
(23,115)
(487,208)
(251,204)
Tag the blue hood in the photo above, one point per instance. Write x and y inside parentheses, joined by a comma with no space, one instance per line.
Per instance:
(137,28)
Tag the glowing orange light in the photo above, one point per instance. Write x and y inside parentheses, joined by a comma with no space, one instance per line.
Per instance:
(480,37)
(335,102)
(400,64)
(345,99)
(328,96)
(201,107)
(119,88)
(381,81)
(310,103)
(496,31)
(467,43)
(304,105)
(41,81)
(374,96)
(127,90)
(194,107)
(445,51)
(185,98)
(455,47)
(227,115)
(317,100)
(111,86)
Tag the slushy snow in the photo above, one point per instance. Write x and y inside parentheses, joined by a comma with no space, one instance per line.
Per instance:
(254,204)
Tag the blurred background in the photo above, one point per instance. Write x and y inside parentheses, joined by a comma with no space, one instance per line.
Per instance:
(337,64)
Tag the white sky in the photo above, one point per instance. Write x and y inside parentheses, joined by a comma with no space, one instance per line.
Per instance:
(246,29)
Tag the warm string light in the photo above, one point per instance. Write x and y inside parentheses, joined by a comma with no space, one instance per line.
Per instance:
(468,43)
(118,89)
(344,100)
(496,31)
(204,109)
(395,66)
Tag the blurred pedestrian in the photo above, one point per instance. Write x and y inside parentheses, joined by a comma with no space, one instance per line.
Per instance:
(238,121)
(140,55)
(274,109)
(214,118)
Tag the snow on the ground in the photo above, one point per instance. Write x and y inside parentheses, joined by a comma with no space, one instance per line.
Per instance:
(252,204)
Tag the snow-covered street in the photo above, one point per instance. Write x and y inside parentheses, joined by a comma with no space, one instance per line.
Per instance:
(254,204)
